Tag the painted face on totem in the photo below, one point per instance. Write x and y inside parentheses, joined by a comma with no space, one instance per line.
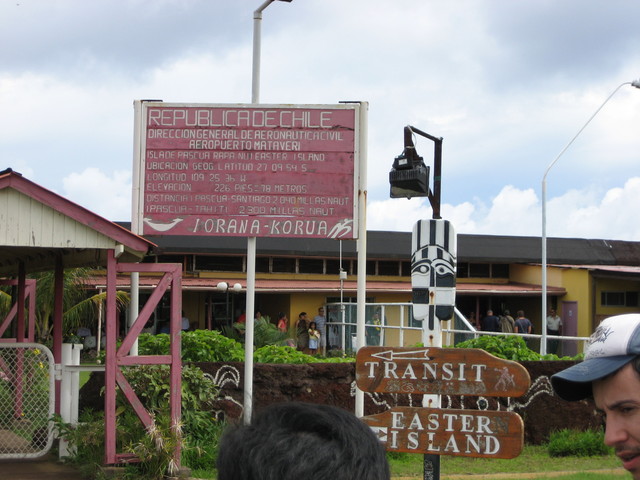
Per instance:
(433,270)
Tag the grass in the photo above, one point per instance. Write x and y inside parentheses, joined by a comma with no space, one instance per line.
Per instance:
(578,476)
(534,459)
(533,464)
(84,378)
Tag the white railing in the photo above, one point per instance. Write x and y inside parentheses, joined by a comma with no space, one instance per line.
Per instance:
(396,328)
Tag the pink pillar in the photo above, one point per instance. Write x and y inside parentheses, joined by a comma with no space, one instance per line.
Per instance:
(111,364)
(176,355)
(21,303)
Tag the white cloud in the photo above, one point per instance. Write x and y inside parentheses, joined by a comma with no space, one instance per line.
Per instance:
(108,196)
(587,213)
(613,216)
(475,72)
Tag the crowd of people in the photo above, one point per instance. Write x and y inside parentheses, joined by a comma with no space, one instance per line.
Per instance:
(506,323)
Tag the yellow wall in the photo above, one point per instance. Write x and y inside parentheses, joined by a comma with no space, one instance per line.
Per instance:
(613,285)
(578,284)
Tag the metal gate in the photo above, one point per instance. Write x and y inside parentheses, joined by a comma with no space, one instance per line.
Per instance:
(26,400)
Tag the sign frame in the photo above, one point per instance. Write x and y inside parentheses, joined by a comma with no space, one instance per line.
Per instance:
(333,180)
(461,371)
(456,432)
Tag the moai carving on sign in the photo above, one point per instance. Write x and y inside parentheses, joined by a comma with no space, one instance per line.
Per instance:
(433,270)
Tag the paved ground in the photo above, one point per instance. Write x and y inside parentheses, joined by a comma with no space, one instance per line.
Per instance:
(44,468)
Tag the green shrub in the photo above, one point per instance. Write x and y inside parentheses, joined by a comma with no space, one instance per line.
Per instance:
(197,346)
(151,384)
(202,437)
(588,443)
(286,354)
(264,333)
(155,447)
(510,347)
(86,441)
(281,354)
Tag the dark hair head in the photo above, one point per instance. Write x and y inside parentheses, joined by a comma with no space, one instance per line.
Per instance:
(291,441)
(312,323)
(302,314)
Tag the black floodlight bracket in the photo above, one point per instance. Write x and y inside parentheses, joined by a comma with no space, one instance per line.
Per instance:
(409,176)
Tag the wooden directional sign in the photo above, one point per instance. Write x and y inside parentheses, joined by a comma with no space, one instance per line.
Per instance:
(447,371)
(435,431)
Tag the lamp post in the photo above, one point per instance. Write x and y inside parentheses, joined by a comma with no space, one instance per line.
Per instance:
(257,31)
(543,343)
(409,176)
(251,241)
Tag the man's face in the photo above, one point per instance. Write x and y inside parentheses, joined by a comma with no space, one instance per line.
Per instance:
(618,397)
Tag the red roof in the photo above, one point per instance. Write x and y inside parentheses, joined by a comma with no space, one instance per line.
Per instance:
(292,286)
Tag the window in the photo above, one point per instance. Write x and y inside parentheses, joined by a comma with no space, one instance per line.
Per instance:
(405,269)
(500,270)
(482,270)
(462,270)
(371,267)
(170,258)
(219,263)
(619,299)
(388,268)
(479,270)
(262,265)
(612,299)
(333,266)
(284,265)
(310,265)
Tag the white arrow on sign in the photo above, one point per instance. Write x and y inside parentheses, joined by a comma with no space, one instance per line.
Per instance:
(390,355)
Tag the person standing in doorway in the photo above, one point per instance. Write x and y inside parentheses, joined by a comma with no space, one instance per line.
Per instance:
(490,323)
(554,328)
(507,322)
(302,332)
(185,324)
(522,324)
(314,338)
(283,322)
(321,324)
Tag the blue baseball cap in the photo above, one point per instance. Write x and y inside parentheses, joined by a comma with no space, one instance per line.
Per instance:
(615,343)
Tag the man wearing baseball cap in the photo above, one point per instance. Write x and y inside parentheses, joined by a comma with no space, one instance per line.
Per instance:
(610,373)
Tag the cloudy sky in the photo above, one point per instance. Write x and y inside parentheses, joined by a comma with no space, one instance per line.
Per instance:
(507,84)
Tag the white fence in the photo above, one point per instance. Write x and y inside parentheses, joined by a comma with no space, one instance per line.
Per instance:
(392,324)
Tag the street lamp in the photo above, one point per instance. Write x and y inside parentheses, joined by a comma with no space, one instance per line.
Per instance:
(225,287)
(252,241)
(543,343)
(409,176)
(257,30)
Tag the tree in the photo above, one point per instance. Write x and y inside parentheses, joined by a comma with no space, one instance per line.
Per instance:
(79,308)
